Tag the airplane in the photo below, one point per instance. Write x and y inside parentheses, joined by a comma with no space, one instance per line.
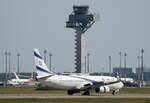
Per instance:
(130,80)
(74,83)
(19,81)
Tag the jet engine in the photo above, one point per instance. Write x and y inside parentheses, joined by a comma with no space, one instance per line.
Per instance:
(102,89)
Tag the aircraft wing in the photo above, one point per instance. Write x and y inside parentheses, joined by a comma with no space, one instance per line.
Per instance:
(96,85)
(44,78)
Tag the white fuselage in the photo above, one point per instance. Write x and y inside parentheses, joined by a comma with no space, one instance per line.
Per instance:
(19,81)
(78,82)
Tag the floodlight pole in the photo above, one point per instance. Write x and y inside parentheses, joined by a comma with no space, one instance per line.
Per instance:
(139,72)
(120,54)
(9,59)
(142,68)
(109,65)
(125,55)
(18,67)
(88,62)
(45,51)
(6,67)
(50,61)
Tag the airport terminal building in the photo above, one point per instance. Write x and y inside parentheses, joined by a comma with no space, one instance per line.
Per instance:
(129,70)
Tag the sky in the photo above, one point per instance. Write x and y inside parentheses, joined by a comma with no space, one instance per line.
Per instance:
(26,24)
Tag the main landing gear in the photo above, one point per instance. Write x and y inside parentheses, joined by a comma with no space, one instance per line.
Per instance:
(71,92)
(86,92)
(115,92)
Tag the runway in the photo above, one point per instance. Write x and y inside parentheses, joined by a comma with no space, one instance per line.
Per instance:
(65,96)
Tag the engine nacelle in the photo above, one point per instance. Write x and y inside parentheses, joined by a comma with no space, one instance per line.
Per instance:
(102,89)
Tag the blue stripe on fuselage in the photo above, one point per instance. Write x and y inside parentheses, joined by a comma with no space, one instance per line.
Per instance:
(89,80)
(82,78)
(37,55)
(41,69)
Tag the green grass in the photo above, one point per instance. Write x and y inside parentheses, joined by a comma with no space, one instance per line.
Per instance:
(135,90)
(97,100)
(29,90)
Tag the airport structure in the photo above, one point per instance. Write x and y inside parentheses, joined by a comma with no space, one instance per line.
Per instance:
(80,20)
(129,70)
(122,71)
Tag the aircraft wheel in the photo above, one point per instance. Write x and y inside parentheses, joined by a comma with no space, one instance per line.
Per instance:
(70,92)
(113,92)
(86,93)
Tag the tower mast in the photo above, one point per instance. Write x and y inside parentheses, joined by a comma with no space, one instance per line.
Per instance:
(80,20)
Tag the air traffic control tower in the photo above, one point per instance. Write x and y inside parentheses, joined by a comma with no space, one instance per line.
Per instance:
(80,20)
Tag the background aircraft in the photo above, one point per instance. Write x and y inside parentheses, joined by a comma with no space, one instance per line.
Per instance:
(17,81)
